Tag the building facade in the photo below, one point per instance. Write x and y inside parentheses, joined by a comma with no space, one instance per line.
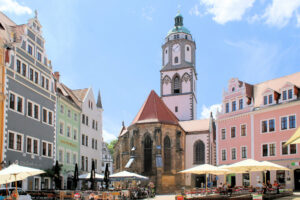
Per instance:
(30,106)
(68,131)
(255,122)
(107,158)
(90,130)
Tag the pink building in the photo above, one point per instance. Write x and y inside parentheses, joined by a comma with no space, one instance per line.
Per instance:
(255,122)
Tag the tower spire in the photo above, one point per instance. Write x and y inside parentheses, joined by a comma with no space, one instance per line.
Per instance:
(178,19)
(99,102)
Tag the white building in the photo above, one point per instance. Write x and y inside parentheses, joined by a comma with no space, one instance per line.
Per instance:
(106,159)
(90,130)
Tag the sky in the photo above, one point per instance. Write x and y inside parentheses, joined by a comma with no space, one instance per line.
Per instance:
(115,46)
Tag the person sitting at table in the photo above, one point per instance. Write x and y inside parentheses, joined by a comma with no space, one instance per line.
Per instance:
(269,185)
(259,187)
(92,196)
(276,186)
(229,189)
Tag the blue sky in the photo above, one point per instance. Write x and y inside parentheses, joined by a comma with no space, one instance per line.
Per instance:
(115,46)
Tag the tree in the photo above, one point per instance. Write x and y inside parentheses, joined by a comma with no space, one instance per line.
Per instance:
(111,146)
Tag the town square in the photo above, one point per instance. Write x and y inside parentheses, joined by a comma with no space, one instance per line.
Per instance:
(173,99)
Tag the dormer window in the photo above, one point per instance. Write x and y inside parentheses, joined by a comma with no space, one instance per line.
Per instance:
(241,104)
(265,100)
(284,96)
(270,99)
(227,107)
(290,93)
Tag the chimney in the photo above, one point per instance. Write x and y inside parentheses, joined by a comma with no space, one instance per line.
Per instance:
(56,75)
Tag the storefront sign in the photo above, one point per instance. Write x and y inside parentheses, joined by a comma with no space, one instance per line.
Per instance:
(257,196)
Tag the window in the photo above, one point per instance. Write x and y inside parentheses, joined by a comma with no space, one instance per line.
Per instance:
(29,49)
(147,154)
(83,139)
(223,131)
(270,99)
(289,149)
(224,156)
(96,125)
(47,84)
(83,118)
(241,104)
(44,150)
(199,152)
(24,69)
(96,144)
(93,143)
(69,113)
(234,106)
(75,116)
(16,102)
(50,117)
(86,141)
(61,128)
(233,132)
(271,125)
(33,110)
(233,154)
(75,134)
(292,121)
(36,77)
(280,176)
(31,72)
(265,100)
(86,163)
(283,123)
(227,107)
(15,141)
(284,97)
(243,130)
(32,145)
(176,108)
(18,66)
(87,120)
(265,150)
(29,145)
(68,131)
(39,56)
(290,93)
(60,156)
(264,126)
(45,115)
(176,85)
(43,82)
(82,162)
(272,148)
(167,154)
(268,150)
(246,179)
(244,152)
(50,149)
(93,124)
(68,157)
(74,158)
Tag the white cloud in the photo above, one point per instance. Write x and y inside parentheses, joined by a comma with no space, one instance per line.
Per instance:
(12,6)
(195,10)
(147,13)
(107,137)
(279,12)
(227,10)
(205,113)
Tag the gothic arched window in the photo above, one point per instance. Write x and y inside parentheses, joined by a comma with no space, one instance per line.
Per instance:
(176,59)
(176,85)
(131,143)
(199,152)
(147,154)
(167,154)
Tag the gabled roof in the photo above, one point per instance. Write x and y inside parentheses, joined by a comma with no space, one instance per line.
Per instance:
(195,125)
(155,110)
(81,93)
(67,92)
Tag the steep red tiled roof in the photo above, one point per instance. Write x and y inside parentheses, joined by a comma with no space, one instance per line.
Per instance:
(155,110)
(80,94)
(69,92)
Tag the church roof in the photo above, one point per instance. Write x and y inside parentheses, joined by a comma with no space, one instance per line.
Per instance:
(99,102)
(195,125)
(155,110)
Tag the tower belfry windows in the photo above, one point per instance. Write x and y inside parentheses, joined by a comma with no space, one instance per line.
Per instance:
(176,85)
(176,59)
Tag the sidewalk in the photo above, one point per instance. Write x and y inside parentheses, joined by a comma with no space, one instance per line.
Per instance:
(296,196)
(163,197)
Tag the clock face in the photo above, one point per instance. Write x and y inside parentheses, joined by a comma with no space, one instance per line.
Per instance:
(176,47)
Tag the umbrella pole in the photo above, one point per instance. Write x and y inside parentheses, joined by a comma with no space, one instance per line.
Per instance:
(225,177)
(206,184)
(265,174)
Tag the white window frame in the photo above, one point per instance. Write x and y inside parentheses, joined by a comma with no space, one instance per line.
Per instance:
(242,152)
(47,149)
(32,111)
(222,133)
(16,103)
(63,151)
(37,52)
(32,145)
(70,128)
(15,141)
(75,129)
(63,129)
(49,182)
(37,177)
(222,154)
(268,125)
(76,155)
(68,162)
(32,49)
(75,117)
(288,122)
(234,148)
(288,149)
(241,130)
(268,150)
(235,132)
(69,113)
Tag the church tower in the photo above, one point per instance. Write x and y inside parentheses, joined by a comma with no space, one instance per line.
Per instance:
(178,73)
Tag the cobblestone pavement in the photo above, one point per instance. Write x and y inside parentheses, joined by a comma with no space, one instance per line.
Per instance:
(296,196)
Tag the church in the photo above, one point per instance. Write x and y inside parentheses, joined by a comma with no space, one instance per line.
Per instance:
(166,137)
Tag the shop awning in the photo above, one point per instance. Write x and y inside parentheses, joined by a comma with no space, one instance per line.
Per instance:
(295,139)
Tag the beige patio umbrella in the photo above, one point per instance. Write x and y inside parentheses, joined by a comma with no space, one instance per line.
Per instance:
(15,173)
(205,169)
(225,173)
(272,166)
(295,139)
(248,165)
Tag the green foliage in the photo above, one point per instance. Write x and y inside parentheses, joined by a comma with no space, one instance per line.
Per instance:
(111,146)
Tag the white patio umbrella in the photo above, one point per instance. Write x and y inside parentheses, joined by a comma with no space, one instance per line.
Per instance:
(15,173)
(225,173)
(88,176)
(127,175)
(205,169)
(294,139)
